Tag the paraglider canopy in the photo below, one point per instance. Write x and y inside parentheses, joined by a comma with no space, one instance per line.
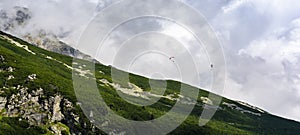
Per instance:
(172,59)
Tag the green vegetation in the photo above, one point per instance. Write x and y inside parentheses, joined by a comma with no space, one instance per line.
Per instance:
(54,77)
(13,126)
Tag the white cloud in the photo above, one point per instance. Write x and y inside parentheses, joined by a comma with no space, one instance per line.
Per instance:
(261,42)
(260,38)
(234,4)
(56,16)
(268,70)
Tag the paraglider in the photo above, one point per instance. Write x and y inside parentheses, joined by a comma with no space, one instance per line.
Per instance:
(172,59)
(211,66)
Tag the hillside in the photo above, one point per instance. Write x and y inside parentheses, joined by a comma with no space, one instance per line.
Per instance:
(37,97)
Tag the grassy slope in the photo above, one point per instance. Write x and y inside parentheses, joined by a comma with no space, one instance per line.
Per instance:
(51,73)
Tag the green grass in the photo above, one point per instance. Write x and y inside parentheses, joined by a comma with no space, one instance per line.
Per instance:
(56,78)
(12,126)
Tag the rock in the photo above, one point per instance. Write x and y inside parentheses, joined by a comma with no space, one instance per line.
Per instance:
(10,77)
(67,104)
(56,129)
(26,105)
(10,107)
(39,92)
(101,72)
(34,99)
(46,105)
(31,106)
(3,102)
(206,100)
(57,115)
(36,118)
(2,58)
(91,114)
(10,69)
(22,15)
(75,117)
(31,77)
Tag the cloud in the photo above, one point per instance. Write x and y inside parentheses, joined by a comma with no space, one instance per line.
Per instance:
(260,41)
(54,16)
(272,65)
(132,30)
(234,4)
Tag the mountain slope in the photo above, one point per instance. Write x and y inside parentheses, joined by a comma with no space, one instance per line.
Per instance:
(37,97)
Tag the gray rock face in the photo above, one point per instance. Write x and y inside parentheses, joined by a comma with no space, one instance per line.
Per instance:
(33,107)
(39,109)
(26,105)
(15,17)
(57,115)
(22,15)
(52,42)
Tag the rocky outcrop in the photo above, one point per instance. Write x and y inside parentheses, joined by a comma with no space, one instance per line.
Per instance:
(40,109)
(56,115)
(52,42)
(27,105)
(34,107)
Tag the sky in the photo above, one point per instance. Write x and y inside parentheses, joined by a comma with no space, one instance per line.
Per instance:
(261,42)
